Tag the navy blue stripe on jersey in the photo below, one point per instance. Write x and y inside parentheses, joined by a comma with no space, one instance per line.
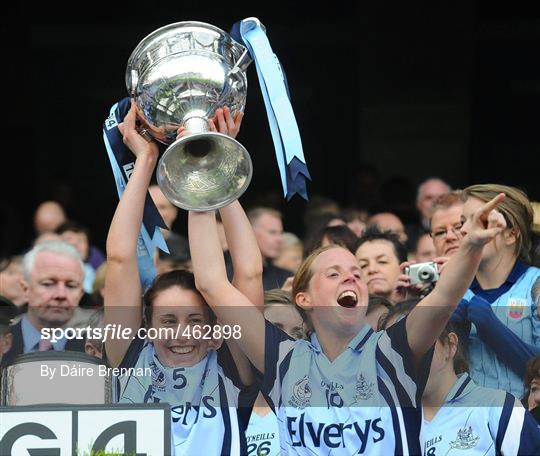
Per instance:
(227,363)
(246,401)
(273,337)
(508,406)
(395,420)
(226,448)
(132,353)
(403,397)
(364,340)
(529,442)
(461,388)
(283,369)
(400,343)
(412,417)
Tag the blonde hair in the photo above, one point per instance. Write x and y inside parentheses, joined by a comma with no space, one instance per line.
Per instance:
(536,214)
(515,208)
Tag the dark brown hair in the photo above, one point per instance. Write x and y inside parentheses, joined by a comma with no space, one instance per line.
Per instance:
(176,278)
(532,371)
(340,235)
(373,233)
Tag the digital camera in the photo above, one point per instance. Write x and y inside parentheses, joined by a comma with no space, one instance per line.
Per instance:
(423,273)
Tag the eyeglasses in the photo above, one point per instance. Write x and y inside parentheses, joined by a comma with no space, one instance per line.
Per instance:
(441,233)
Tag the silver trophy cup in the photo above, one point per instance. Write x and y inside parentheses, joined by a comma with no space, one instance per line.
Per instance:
(179,75)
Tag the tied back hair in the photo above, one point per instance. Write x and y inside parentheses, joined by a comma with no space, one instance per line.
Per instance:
(175,278)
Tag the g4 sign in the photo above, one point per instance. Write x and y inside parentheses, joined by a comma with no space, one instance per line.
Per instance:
(63,430)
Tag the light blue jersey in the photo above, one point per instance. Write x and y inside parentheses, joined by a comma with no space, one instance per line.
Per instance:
(517,310)
(262,435)
(364,402)
(204,399)
(480,421)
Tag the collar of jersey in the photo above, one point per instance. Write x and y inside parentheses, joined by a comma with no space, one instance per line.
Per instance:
(462,386)
(517,271)
(356,343)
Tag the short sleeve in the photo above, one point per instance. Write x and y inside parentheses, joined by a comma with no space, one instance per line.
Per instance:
(395,357)
(278,351)
(517,430)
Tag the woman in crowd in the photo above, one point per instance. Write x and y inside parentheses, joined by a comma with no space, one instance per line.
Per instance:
(462,416)
(195,374)
(348,389)
(502,302)
(380,255)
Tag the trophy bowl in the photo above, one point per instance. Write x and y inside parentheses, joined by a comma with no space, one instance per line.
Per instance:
(179,75)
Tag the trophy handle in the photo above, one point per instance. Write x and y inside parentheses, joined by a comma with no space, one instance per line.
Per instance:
(242,63)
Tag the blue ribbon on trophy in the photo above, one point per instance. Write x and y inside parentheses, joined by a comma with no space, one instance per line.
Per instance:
(285,134)
(122,163)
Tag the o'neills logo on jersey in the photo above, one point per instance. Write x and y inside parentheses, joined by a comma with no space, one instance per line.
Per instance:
(310,434)
(465,439)
(516,308)
(364,390)
(301,394)
(158,377)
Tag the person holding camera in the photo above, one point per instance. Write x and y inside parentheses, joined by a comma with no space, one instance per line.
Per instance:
(502,302)
(383,260)
(380,255)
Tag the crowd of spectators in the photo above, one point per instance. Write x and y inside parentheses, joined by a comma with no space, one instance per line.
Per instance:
(494,334)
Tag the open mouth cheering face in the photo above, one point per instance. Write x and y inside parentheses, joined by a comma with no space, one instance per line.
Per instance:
(336,280)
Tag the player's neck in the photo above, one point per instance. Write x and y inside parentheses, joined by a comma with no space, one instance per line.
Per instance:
(493,273)
(333,344)
(261,407)
(434,398)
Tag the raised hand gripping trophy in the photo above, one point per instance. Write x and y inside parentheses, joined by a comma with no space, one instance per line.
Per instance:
(179,75)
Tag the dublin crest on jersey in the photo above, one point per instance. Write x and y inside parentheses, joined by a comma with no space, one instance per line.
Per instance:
(301,394)
(158,377)
(516,308)
(465,439)
(364,390)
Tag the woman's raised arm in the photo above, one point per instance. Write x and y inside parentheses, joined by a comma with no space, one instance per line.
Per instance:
(230,305)
(428,319)
(123,292)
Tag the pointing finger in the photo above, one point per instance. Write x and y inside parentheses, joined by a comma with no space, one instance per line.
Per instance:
(490,205)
